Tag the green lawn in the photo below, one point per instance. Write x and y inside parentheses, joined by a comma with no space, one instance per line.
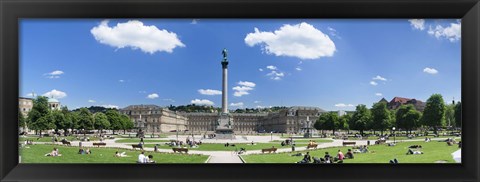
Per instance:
(36,154)
(49,139)
(221,147)
(137,140)
(433,151)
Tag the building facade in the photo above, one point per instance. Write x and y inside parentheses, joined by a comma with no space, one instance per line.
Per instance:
(152,118)
(25,105)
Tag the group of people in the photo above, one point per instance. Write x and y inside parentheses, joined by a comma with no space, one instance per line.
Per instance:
(361,149)
(327,158)
(143,159)
(82,151)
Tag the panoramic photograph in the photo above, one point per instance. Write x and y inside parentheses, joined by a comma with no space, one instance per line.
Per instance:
(297,91)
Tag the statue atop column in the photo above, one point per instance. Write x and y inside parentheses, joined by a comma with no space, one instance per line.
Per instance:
(224,52)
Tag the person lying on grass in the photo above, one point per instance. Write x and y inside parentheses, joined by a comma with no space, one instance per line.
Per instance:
(117,154)
(54,153)
(414,152)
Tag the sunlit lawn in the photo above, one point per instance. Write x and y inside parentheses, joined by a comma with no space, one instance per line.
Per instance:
(137,140)
(247,146)
(36,154)
(49,139)
(433,151)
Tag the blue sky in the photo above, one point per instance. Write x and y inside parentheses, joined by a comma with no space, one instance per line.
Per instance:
(329,63)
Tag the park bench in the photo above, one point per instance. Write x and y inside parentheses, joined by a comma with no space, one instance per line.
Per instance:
(269,150)
(134,146)
(66,143)
(180,150)
(312,146)
(349,143)
(99,144)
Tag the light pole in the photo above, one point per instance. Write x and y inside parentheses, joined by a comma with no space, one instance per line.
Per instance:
(394,135)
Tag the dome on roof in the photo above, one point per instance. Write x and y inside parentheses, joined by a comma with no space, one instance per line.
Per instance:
(52,100)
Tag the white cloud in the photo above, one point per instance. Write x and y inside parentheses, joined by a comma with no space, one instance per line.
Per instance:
(54,74)
(343,105)
(276,75)
(271,67)
(238,104)
(417,24)
(378,94)
(209,92)
(136,35)
(121,81)
(378,77)
(55,94)
(92,101)
(430,71)
(152,96)
(194,21)
(452,33)
(373,83)
(169,100)
(301,40)
(257,101)
(243,88)
(202,102)
(110,106)
(260,69)
(246,83)
(298,69)
(240,93)
(260,107)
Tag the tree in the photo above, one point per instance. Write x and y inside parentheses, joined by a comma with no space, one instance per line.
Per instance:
(40,109)
(46,122)
(127,123)
(407,117)
(85,120)
(344,122)
(101,122)
(114,120)
(328,121)
(59,120)
(450,115)
(361,118)
(434,113)
(22,121)
(458,114)
(381,117)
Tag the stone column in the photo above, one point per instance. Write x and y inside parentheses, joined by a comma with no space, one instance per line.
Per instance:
(224,86)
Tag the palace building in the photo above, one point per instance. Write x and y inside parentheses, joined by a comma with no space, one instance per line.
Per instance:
(396,102)
(152,118)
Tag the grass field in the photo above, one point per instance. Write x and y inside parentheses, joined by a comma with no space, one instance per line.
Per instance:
(221,147)
(36,154)
(433,151)
(49,139)
(137,140)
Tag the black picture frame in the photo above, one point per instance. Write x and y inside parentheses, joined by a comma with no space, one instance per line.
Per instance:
(12,11)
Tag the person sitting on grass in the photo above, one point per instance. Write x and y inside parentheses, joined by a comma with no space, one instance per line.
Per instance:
(142,158)
(427,139)
(316,160)
(339,156)
(349,154)
(414,152)
(54,153)
(150,159)
(327,158)
(88,151)
(307,157)
(117,154)
(155,148)
(81,151)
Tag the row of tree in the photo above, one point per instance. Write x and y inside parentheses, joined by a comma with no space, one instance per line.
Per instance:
(41,117)
(379,118)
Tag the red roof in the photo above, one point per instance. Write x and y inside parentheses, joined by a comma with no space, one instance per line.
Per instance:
(400,100)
